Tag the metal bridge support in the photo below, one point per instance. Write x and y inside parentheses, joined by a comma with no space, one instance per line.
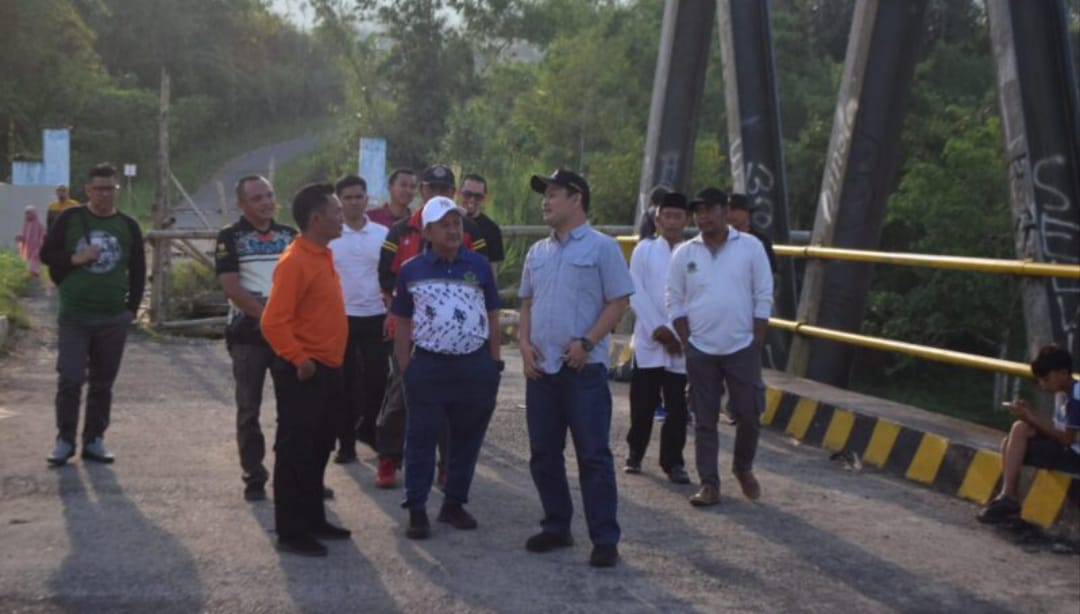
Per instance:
(1040,118)
(678,89)
(860,171)
(757,151)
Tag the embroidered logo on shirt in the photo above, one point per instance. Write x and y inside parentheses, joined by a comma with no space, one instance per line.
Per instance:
(471,279)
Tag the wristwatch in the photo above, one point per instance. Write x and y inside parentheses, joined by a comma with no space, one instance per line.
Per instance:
(586,344)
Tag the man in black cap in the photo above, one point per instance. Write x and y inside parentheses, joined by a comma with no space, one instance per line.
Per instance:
(719,296)
(574,289)
(659,367)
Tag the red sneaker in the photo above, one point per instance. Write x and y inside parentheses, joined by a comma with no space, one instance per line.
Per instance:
(386,476)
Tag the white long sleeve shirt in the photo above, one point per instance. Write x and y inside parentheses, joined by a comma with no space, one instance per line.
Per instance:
(720,294)
(649,270)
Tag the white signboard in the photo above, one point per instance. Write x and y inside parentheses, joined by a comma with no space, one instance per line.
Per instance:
(130,170)
(372,167)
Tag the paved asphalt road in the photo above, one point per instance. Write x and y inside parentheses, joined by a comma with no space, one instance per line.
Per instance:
(165,528)
(255,162)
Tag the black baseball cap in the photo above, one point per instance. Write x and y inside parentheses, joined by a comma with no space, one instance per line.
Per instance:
(563,178)
(673,200)
(438,174)
(739,201)
(709,196)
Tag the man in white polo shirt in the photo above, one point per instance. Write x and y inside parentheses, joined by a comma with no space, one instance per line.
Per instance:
(356,258)
(719,295)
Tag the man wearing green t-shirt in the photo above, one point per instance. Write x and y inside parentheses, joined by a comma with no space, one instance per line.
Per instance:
(95,255)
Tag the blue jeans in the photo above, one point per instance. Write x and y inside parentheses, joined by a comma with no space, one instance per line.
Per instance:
(451,393)
(580,401)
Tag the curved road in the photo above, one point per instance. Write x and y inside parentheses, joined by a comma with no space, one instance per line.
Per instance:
(256,162)
(165,529)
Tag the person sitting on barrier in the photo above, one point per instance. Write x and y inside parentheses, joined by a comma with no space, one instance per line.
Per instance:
(1035,440)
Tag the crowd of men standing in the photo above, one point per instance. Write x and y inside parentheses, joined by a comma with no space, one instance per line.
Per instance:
(380,326)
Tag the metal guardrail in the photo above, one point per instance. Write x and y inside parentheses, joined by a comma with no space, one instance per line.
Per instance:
(959,263)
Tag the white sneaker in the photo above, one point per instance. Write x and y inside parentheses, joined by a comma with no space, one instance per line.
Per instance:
(61,452)
(94,450)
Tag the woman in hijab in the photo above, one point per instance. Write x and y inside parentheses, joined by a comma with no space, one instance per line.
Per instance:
(30,239)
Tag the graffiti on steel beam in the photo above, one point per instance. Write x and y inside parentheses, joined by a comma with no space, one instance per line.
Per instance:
(1058,221)
(834,170)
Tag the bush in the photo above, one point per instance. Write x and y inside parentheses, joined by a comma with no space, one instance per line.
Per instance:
(192,286)
(14,282)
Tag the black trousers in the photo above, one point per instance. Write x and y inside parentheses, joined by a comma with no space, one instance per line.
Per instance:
(646,388)
(306,414)
(364,374)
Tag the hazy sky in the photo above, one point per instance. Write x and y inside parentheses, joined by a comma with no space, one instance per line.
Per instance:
(297,10)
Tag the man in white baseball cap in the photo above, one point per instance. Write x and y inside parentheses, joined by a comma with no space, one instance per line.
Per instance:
(446,341)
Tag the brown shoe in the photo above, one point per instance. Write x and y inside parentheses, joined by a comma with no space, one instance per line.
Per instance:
(749,484)
(706,495)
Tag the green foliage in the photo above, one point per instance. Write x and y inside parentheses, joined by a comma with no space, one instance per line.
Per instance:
(14,282)
(190,284)
(95,65)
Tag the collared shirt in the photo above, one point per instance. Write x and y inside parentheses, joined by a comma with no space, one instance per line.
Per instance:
(569,283)
(356,258)
(491,233)
(447,301)
(251,254)
(305,314)
(720,294)
(383,215)
(649,270)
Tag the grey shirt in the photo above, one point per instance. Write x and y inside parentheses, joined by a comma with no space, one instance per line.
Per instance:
(569,284)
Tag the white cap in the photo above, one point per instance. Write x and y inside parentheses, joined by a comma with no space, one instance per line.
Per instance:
(437,207)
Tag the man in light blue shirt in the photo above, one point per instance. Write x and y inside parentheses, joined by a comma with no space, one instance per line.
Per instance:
(574,289)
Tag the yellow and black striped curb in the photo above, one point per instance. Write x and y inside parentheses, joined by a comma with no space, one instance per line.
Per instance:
(965,465)
(1050,498)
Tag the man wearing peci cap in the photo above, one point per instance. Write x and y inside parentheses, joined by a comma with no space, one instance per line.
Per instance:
(405,240)
(719,295)
(574,289)
(447,342)
(659,366)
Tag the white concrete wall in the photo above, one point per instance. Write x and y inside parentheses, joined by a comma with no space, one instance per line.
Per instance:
(13,200)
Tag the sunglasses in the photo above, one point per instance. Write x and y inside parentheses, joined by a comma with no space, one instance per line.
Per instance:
(473,195)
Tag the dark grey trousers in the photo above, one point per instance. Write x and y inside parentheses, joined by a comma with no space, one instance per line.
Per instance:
(88,352)
(708,375)
(250,364)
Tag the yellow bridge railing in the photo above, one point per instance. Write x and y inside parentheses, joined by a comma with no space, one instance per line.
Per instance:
(960,263)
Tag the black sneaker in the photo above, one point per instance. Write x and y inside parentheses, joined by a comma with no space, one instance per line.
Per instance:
(678,475)
(329,531)
(419,527)
(1001,509)
(632,467)
(254,492)
(303,545)
(344,457)
(456,516)
(545,542)
(604,555)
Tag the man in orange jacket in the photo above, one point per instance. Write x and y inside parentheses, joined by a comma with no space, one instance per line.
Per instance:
(304,322)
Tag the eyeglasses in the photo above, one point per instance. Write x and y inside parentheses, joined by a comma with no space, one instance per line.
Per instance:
(466,194)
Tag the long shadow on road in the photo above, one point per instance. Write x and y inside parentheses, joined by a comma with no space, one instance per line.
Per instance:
(102,523)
